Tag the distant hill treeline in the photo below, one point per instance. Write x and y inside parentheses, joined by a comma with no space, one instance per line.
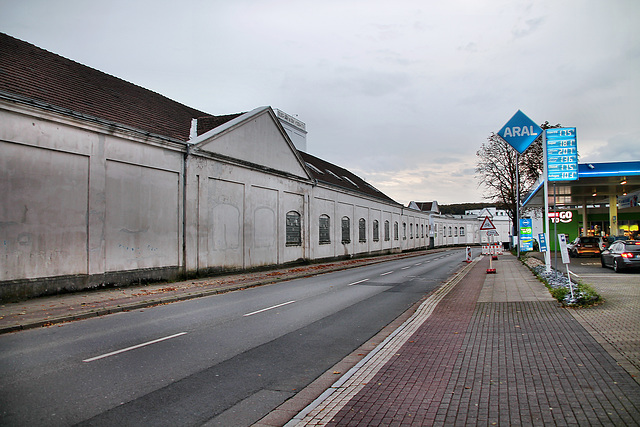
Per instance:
(460,208)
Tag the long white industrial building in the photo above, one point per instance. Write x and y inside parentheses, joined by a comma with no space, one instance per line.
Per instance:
(103,182)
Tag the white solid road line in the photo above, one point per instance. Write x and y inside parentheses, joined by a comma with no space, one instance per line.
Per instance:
(359,281)
(113,353)
(268,308)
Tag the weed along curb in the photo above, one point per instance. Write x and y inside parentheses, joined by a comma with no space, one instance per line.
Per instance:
(560,286)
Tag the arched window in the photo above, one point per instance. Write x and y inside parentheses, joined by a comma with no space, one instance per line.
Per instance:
(449,231)
(455,232)
(376,230)
(386,231)
(294,229)
(395,230)
(462,231)
(346,229)
(324,230)
(404,231)
(422,230)
(362,230)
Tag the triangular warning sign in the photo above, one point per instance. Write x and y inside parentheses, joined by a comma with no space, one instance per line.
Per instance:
(487,224)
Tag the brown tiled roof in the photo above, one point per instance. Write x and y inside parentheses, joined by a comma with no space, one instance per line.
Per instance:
(30,72)
(329,173)
(36,74)
(205,124)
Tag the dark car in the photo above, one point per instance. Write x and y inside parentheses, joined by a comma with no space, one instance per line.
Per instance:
(584,245)
(622,255)
(608,241)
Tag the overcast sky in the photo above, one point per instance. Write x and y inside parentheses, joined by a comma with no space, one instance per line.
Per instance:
(402,93)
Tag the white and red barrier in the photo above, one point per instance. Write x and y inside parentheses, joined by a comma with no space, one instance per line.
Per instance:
(492,249)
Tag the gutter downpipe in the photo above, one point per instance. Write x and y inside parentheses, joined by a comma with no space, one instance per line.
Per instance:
(185,162)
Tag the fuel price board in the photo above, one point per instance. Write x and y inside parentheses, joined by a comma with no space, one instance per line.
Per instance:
(562,154)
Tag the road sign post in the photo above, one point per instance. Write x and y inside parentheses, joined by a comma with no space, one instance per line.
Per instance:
(488,226)
(542,238)
(519,132)
(565,258)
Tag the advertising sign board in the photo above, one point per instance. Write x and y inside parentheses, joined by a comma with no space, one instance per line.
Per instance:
(526,235)
(542,238)
(630,200)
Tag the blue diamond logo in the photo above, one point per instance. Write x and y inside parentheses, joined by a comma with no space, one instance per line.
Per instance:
(520,131)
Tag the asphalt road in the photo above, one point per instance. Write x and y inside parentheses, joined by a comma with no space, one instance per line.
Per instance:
(234,356)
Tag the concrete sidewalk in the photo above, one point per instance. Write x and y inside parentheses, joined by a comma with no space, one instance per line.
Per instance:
(485,350)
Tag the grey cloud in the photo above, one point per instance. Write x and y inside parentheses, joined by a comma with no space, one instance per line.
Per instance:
(626,144)
(528,27)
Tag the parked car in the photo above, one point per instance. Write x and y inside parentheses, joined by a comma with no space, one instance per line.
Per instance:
(608,241)
(584,245)
(622,255)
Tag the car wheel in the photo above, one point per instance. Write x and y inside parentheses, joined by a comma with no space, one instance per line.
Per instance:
(602,262)
(616,266)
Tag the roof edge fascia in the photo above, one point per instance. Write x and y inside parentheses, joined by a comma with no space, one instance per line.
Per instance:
(97,122)
(200,140)
(226,127)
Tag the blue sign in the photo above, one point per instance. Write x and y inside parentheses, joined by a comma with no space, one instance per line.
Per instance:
(543,242)
(520,131)
(562,154)
(526,234)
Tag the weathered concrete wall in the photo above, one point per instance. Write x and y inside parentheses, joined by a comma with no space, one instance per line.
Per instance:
(87,204)
(82,204)
(43,211)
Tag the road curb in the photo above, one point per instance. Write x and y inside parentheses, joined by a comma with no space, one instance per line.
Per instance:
(421,311)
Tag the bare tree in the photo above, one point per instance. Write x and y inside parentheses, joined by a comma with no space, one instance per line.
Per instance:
(496,171)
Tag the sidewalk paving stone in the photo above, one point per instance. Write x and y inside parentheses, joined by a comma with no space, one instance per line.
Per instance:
(495,350)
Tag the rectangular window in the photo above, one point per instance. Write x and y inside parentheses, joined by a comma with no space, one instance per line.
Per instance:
(346,230)
(294,230)
(324,230)
(362,230)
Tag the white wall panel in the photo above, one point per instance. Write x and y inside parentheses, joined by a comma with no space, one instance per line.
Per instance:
(142,218)
(43,212)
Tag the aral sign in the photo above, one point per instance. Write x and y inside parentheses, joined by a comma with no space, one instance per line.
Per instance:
(520,131)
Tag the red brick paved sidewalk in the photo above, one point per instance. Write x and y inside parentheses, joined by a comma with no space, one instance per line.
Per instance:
(494,363)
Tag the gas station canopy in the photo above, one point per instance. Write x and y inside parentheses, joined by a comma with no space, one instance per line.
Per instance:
(597,183)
